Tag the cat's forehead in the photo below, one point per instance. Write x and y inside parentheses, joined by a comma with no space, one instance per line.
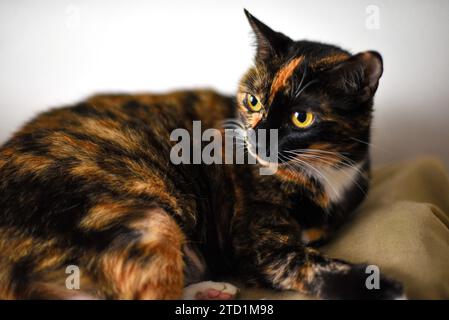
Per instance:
(283,76)
(284,73)
(299,65)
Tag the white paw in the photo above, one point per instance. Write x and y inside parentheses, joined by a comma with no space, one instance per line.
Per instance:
(209,290)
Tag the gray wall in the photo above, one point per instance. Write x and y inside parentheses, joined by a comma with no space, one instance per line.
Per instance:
(57,52)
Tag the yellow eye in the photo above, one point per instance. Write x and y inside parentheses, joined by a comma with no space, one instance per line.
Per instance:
(303,119)
(252,103)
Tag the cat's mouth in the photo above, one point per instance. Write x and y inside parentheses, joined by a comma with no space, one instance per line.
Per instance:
(265,161)
(300,163)
(266,158)
(284,166)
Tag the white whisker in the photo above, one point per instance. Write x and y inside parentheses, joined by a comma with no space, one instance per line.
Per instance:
(339,167)
(317,171)
(370,144)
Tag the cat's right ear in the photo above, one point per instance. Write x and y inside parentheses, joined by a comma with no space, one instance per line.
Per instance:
(269,42)
(357,76)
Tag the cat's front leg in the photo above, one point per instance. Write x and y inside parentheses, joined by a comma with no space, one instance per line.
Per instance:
(269,250)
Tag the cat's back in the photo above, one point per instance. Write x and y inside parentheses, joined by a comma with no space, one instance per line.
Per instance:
(74,180)
(65,160)
(124,121)
(131,111)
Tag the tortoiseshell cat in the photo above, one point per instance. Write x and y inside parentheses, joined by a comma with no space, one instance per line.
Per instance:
(92,185)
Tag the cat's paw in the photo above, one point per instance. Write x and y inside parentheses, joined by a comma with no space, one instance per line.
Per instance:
(209,290)
(353,285)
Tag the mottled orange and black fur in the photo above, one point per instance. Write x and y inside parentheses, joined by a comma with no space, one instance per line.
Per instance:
(92,185)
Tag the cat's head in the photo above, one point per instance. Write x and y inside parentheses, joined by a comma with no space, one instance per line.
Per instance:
(318,96)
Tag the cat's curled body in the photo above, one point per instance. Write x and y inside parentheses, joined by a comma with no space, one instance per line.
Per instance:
(92,185)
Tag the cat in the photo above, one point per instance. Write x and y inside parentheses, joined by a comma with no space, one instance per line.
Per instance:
(91,185)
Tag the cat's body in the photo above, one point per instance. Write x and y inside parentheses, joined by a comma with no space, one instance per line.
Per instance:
(76,179)
(93,186)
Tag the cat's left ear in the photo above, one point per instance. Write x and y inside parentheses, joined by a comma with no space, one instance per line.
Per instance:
(269,43)
(359,75)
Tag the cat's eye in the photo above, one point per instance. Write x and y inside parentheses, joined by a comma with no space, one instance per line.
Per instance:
(303,119)
(252,103)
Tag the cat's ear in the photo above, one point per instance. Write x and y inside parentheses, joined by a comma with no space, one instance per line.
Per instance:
(269,42)
(359,75)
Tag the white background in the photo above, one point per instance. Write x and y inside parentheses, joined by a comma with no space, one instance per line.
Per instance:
(58,52)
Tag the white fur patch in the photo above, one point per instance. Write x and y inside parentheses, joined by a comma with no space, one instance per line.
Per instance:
(337,181)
